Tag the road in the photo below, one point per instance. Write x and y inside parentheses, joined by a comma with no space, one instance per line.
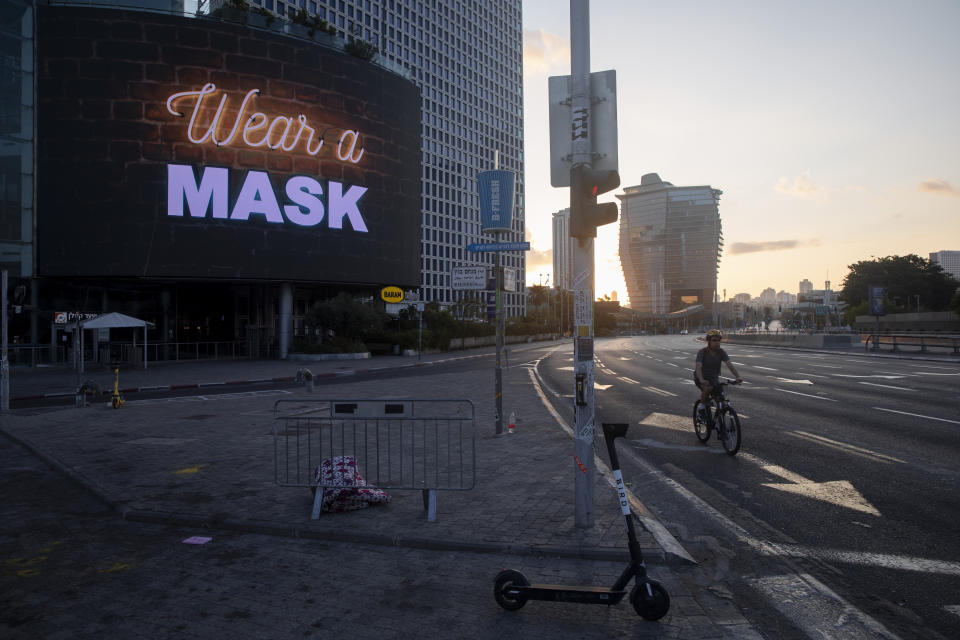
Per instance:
(846,484)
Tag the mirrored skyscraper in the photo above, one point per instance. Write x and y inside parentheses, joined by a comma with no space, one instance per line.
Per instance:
(670,245)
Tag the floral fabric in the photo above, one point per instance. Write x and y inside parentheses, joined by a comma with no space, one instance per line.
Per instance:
(341,471)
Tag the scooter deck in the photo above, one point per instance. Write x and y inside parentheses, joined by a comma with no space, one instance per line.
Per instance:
(566,593)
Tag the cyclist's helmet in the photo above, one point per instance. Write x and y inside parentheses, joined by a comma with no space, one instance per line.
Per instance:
(714,333)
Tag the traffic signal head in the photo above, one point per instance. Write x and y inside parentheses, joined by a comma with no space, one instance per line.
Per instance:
(586,214)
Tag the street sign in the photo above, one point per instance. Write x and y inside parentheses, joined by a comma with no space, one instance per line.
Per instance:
(509,279)
(466,278)
(602,125)
(496,199)
(499,246)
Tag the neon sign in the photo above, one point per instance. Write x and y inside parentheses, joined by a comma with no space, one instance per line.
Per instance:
(257,197)
(279,132)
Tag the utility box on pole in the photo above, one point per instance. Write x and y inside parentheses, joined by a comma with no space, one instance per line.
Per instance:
(583,155)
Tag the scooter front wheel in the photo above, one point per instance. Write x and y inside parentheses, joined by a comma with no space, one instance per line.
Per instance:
(650,600)
(501,589)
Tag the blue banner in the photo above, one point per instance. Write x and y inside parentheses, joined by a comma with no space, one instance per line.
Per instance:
(499,246)
(496,199)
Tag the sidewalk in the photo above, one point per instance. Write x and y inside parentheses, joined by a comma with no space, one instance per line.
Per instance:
(206,462)
(177,462)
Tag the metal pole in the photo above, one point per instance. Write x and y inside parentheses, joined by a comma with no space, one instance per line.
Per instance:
(583,269)
(498,286)
(498,283)
(4,363)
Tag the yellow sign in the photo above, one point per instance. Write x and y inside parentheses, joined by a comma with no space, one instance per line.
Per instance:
(392,294)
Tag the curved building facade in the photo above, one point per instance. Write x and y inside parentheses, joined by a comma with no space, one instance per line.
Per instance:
(671,241)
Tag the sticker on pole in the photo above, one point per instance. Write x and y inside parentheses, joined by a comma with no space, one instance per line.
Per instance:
(584,348)
(581,306)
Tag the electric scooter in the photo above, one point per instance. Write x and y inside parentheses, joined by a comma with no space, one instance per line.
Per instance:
(648,597)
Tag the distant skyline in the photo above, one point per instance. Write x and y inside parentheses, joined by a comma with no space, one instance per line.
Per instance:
(829,127)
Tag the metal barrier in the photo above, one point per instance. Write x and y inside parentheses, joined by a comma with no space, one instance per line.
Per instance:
(424,445)
(914,343)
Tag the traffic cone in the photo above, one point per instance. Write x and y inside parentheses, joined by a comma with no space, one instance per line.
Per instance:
(512,421)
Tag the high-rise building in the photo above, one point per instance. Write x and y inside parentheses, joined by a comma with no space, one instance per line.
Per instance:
(805,286)
(396,140)
(467,59)
(949,261)
(562,250)
(670,244)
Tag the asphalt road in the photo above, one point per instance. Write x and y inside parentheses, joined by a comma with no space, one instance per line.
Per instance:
(848,475)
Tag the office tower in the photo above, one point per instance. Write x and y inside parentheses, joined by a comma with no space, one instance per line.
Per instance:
(670,245)
(562,250)
(949,261)
(805,286)
(466,57)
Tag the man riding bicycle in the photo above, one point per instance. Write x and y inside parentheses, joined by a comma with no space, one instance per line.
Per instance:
(707,372)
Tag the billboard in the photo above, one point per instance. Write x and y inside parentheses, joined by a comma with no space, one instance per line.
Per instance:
(178,149)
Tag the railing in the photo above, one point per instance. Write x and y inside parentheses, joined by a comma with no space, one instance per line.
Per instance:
(21,355)
(899,343)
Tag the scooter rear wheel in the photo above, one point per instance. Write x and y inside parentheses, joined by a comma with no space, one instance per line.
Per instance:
(506,579)
(650,600)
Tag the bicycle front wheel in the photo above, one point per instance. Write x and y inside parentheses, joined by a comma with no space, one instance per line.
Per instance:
(700,425)
(731,430)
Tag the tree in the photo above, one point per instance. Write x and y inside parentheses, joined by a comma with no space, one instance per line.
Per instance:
(538,295)
(904,278)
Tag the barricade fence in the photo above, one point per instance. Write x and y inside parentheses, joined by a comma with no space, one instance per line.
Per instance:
(405,444)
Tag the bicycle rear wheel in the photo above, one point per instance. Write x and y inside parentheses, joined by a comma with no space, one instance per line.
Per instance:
(700,424)
(731,431)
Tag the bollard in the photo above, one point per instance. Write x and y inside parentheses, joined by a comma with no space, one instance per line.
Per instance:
(513,421)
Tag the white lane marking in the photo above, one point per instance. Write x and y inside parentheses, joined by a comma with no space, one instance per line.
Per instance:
(812,375)
(815,608)
(929,366)
(623,358)
(650,443)
(848,375)
(689,369)
(609,371)
(933,373)
(672,365)
(839,492)
(755,366)
(629,380)
(843,446)
(668,421)
(917,415)
(797,393)
(640,511)
(855,618)
(660,391)
(565,369)
(601,387)
(790,380)
(883,560)
(826,366)
(885,386)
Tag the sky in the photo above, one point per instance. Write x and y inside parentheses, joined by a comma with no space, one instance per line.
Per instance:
(832,128)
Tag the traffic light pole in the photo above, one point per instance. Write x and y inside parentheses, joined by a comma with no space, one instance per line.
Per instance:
(583,269)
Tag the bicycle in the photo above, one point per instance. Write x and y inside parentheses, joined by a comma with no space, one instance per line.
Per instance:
(720,414)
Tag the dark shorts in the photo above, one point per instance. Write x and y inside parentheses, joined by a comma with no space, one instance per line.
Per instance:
(713,382)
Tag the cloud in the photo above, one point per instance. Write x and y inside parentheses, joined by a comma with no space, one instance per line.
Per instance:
(771,245)
(545,52)
(939,187)
(539,259)
(801,187)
